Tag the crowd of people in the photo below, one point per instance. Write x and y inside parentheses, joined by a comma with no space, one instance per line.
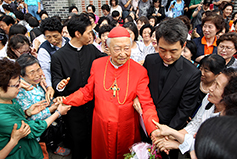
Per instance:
(156,71)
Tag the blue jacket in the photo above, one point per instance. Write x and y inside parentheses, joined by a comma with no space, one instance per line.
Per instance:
(200,47)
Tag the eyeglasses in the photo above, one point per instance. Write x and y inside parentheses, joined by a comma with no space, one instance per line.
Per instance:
(33,73)
(227,48)
(24,52)
(17,84)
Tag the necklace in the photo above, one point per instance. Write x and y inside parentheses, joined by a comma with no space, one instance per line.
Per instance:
(114,87)
(201,87)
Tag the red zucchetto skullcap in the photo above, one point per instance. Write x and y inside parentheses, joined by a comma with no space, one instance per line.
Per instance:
(118,32)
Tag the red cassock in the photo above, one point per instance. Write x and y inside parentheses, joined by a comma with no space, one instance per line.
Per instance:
(115,124)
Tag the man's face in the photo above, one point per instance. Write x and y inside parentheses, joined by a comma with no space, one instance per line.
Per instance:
(86,36)
(120,49)
(169,52)
(53,37)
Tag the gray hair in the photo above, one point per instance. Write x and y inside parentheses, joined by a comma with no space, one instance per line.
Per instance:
(172,30)
(108,41)
(26,60)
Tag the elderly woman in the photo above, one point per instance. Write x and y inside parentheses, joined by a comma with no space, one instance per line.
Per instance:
(227,47)
(31,73)
(212,105)
(11,113)
(211,25)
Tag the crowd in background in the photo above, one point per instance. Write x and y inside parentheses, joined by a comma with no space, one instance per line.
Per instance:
(37,41)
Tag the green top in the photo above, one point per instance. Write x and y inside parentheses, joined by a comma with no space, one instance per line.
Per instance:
(194,2)
(28,147)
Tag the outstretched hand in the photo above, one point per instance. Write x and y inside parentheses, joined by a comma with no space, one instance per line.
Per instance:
(37,107)
(164,130)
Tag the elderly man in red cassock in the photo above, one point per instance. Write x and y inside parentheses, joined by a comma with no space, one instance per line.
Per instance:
(114,82)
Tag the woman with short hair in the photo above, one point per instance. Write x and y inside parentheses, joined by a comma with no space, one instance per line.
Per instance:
(11,113)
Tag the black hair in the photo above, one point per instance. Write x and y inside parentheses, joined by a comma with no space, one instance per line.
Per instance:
(116,2)
(33,22)
(19,15)
(192,47)
(154,1)
(129,18)
(92,6)
(104,29)
(216,138)
(115,13)
(114,23)
(27,16)
(228,4)
(105,7)
(15,42)
(7,19)
(78,23)
(7,7)
(43,12)
(72,7)
(57,17)
(215,63)
(131,26)
(144,27)
(92,15)
(100,21)
(153,17)
(172,30)
(26,60)
(3,37)
(233,15)
(17,29)
(51,24)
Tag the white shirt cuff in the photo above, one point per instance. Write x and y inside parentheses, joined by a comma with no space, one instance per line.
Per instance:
(60,90)
(186,145)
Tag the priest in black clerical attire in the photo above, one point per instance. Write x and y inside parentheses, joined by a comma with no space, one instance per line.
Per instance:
(174,81)
(70,69)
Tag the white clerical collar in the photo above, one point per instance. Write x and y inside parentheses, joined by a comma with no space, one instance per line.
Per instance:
(114,64)
(166,65)
(78,48)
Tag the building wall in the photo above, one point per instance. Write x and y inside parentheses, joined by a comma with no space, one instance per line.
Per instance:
(60,7)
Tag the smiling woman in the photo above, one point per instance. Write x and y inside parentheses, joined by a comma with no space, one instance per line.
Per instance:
(11,113)
(211,25)
(227,47)
(18,45)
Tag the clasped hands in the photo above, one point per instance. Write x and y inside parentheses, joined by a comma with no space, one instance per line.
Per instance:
(163,139)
